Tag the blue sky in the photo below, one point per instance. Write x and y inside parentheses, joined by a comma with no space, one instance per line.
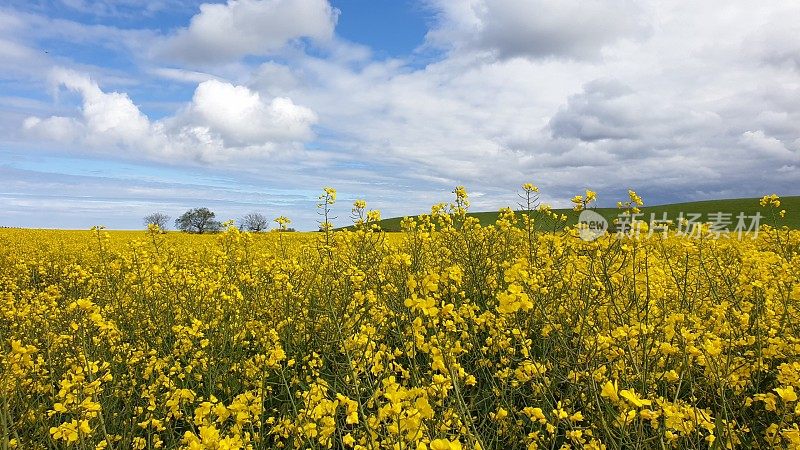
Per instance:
(110,110)
(392,28)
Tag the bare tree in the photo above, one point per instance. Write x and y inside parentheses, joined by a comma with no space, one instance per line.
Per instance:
(254,222)
(157,218)
(197,220)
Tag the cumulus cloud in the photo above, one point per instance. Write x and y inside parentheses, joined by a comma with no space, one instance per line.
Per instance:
(221,122)
(538,28)
(241,117)
(226,32)
(106,118)
(54,128)
(768,146)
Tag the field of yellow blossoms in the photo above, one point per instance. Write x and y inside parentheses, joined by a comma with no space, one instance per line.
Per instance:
(447,335)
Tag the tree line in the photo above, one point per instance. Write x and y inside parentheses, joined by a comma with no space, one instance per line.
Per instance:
(203,220)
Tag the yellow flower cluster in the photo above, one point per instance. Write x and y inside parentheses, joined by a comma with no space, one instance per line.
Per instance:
(447,336)
(581,202)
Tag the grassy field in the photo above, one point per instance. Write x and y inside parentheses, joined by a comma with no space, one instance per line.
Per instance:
(748,206)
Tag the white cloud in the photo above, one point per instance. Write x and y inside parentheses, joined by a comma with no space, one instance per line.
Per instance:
(769,146)
(538,28)
(54,128)
(10,22)
(243,118)
(222,122)
(17,58)
(182,75)
(11,50)
(110,118)
(226,32)
(120,8)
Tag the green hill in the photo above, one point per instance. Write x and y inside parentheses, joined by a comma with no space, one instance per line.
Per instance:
(747,206)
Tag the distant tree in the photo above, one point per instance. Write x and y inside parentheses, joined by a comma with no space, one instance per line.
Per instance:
(253,222)
(197,220)
(157,218)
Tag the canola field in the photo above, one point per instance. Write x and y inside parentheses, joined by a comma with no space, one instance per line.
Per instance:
(447,335)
